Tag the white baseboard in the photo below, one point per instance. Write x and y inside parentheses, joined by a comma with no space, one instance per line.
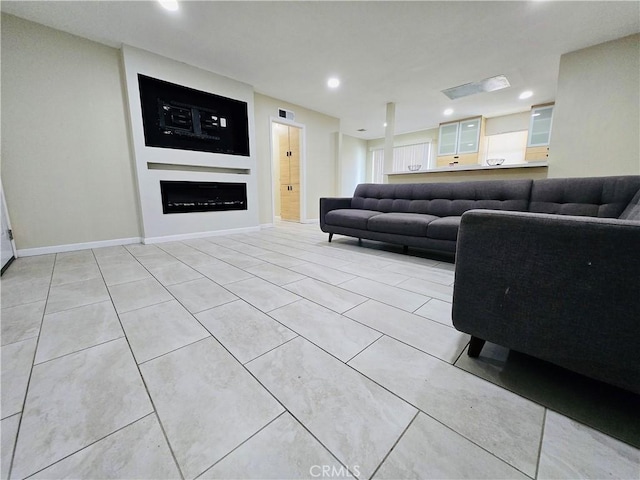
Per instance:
(190,236)
(72,247)
(313,220)
(266,225)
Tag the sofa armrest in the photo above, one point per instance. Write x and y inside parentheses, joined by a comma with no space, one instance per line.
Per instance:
(562,288)
(332,203)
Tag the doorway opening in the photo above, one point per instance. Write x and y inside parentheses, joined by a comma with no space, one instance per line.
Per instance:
(287,167)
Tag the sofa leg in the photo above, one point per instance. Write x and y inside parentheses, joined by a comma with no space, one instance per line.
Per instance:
(330,237)
(475,346)
(359,241)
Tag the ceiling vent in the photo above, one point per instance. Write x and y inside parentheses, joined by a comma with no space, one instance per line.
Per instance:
(288,114)
(487,85)
(362,130)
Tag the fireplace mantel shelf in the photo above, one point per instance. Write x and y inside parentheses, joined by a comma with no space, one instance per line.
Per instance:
(197,168)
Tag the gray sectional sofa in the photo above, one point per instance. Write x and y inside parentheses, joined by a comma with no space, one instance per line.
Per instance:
(550,268)
(424,215)
(428,215)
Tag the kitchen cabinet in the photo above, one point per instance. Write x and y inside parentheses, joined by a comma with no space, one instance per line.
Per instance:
(539,134)
(459,142)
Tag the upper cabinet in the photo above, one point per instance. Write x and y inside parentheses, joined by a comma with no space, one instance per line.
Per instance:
(539,132)
(459,142)
(469,135)
(448,139)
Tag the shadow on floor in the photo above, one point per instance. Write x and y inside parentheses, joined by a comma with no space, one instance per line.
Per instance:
(601,406)
(392,248)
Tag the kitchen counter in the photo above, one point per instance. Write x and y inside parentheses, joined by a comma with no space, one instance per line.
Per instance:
(534,170)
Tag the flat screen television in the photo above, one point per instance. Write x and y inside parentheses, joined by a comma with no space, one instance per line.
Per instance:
(183,118)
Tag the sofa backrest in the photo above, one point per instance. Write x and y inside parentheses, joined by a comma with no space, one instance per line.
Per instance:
(443,199)
(605,197)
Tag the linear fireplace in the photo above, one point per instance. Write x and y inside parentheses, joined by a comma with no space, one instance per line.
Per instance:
(186,197)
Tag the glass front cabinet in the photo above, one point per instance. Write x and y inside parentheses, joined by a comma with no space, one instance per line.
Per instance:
(448,139)
(459,142)
(540,124)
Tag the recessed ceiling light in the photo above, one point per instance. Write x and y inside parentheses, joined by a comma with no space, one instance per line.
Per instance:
(448,111)
(171,5)
(525,94)
(333,82)
(384,124)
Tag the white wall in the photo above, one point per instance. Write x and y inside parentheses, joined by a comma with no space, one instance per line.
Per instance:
(156,225)
(66,161)
(352,164)
(508,123)
(596,120)
(275,165)
(321,157)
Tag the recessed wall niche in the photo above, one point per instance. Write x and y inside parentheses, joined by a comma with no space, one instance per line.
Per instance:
(229,159)
(183,118)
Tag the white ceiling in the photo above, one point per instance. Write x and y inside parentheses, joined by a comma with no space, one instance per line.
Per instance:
(402,52)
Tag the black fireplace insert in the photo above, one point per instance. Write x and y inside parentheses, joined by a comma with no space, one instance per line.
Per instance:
(186,197)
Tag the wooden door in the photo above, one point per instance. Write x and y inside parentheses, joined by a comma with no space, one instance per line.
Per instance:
(289,142)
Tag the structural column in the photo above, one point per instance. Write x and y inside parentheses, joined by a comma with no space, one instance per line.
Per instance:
(388,138)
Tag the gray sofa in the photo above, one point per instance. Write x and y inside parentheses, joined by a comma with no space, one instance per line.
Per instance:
(424,215)
(428,215)
(550,268)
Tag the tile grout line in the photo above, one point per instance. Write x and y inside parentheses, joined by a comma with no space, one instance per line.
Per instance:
(227,350)
(402,341)
(244,366)
(165,287)
(90,444)
(241,444)
(44,362)
(359,276)
(539,456)
(300,422)
(434,418)
(263,386)
(384,459)
(358,353)
(33,359)
(271,349)
(144,383)
(460,355)
(339,285)
(19,341)
(174,350)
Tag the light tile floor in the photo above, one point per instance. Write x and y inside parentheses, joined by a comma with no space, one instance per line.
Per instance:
(276,355)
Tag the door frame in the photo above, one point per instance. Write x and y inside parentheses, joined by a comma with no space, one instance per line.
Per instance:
(303,166)
(5,211)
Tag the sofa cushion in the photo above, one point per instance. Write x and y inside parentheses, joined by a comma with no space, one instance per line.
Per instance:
(413,224)
(605,197)
(350,217)
(443,199)
(444,228)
